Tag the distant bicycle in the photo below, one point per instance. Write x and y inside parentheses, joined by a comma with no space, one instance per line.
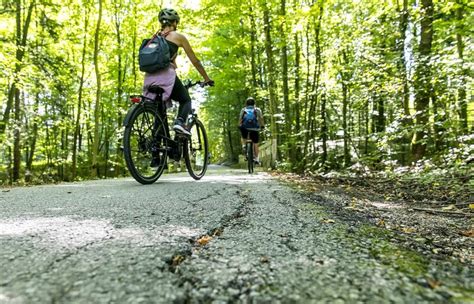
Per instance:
(147,143)
(249,151)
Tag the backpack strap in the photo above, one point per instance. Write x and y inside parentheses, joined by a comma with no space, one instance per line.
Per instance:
(151,39)
(164,35)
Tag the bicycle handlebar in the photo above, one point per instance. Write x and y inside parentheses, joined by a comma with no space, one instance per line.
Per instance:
(189,84)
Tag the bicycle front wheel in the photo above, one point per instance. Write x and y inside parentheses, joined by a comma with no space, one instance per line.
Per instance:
(144,145)
(196,151)
(250,156)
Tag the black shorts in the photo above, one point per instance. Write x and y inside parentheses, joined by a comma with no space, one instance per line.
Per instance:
(252,134)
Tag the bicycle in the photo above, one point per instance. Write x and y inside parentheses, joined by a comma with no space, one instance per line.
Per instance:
(249,151)
(147,143)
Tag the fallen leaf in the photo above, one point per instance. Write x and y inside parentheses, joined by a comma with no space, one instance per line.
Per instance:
(328,221)
(433,283)
(468,233)
(217,232)
(381,222)
(177,260)
(408,229)
(204,240)
(450,207)
(264,259)
(471,206)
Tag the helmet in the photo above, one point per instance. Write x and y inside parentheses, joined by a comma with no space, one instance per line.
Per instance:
(250,101)
(168,14)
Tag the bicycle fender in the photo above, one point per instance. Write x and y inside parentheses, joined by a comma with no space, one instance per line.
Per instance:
(127,118)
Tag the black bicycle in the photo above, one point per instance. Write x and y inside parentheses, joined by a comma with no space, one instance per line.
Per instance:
(147,143)
(249,151)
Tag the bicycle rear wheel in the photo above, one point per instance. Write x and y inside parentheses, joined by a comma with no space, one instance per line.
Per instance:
(250,156)
(144,145)
(196,151)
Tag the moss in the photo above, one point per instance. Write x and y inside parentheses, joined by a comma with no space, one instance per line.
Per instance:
(388,253)
(316,210)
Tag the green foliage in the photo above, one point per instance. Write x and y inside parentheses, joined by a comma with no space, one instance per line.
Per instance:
(361,57)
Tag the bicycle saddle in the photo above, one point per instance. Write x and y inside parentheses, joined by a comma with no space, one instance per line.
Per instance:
(155,89)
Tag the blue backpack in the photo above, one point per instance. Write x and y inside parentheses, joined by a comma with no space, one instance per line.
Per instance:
(249,118)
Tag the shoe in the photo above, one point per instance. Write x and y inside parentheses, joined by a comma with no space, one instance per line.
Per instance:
(180,127)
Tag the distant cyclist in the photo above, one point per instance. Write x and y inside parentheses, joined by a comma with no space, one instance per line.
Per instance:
(250,123)
(167,78)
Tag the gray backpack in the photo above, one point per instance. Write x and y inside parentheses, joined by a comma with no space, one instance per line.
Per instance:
(154,54)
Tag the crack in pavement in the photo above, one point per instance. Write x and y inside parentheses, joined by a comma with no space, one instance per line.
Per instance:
(175,260)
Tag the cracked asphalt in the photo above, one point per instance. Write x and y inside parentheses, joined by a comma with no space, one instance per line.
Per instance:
(230,237)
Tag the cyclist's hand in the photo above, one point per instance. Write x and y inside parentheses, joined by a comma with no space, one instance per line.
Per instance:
(209,83)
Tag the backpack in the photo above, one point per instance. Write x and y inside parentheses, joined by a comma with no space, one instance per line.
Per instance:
(154,54)
(249,118)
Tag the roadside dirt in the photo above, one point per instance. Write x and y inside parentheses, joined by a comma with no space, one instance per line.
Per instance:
(437,221)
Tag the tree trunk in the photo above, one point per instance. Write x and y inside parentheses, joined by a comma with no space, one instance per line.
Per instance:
(32,146)
(316,78)
(324,131)
(134,43)
(16,137)
(284,77)
(345,106)
(120,80)
(306,113)
(271,82)
(97,109)
(297,111)
(380,125)
(407,121)
(253,50)
(77,128)
(464,72)
(14,94)
(422,81)
(366,127)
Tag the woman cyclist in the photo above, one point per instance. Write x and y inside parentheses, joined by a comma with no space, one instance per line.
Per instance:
(167,78)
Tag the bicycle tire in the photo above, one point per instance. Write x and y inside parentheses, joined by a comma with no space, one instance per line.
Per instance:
(196,151)
(144,151)
(250,156)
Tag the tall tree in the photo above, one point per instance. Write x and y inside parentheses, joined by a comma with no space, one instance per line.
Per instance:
(422,80)
(271,80)
(97,109)
(77,127)
(21,39)
(284,78)
(403,72)
(462,96)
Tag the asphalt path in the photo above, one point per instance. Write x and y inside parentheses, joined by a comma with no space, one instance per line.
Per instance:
(230,237)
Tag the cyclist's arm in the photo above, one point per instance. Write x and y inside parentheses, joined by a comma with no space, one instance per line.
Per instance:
(261,121)
(240,116)
(192,57)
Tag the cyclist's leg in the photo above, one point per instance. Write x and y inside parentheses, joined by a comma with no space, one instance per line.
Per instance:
(180,94)
(254,135)
(243,139)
